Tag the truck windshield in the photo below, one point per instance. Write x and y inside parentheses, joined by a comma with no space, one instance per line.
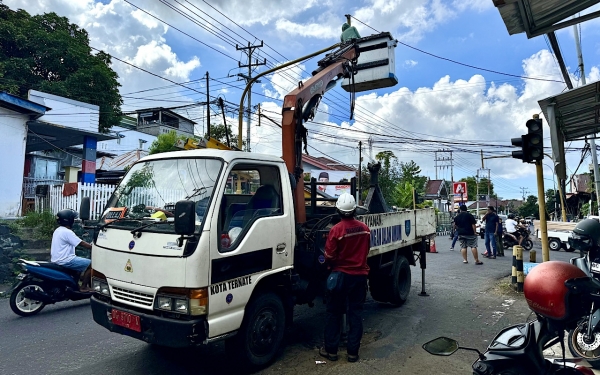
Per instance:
(150,190)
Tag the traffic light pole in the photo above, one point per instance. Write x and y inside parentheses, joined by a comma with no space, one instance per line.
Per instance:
(542,210)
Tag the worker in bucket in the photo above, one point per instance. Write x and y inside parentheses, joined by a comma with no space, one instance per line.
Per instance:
(346,252)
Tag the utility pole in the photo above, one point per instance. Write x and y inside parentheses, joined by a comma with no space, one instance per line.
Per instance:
(371,156)
(524,191)
(592,140)
(444,161)
(359,171)
(208,107)
(249,50)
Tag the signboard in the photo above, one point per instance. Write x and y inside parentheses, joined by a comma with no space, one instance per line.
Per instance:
(333,176)
(460,191)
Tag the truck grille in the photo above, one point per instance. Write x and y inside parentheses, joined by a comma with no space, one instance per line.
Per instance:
(132,296)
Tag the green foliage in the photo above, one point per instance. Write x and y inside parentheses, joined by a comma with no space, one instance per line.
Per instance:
(403,195)
(166,142)
(530,207)
(550,200)
(218,132)
(42,223)
(47,53)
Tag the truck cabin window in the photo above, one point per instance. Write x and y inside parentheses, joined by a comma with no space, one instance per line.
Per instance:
(250,193)
(148,193)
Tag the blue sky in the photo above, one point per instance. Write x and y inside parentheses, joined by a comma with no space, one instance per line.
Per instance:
(434,100)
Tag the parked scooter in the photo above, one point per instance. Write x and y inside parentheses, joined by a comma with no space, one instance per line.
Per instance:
(558,293)
(508,241)
(584,338)
(44,283)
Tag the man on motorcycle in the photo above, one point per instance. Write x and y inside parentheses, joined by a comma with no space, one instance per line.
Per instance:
(64,241)
(512,228)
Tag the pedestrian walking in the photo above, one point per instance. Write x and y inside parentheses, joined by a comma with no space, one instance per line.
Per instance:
(346,252)
(491,230)
(465,224)
(454,235)
(499,242)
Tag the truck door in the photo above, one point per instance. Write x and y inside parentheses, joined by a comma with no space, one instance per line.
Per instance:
(254,234)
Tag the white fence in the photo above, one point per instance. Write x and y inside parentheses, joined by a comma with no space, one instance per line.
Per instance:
(99,195)
(55,201)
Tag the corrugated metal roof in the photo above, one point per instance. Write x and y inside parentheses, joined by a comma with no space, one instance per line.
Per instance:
(534,17)
(120,162)
(577,111)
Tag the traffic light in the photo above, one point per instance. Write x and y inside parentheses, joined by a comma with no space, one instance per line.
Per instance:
(531,144)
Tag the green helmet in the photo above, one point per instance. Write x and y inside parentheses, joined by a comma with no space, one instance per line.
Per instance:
(586,235)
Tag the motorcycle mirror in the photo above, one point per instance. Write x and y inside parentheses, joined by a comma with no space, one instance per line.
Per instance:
(84,208)
(443,346)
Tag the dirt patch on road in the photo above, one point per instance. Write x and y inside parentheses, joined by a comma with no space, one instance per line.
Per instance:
(504,287)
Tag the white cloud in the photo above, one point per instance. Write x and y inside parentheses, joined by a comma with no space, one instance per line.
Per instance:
(314,30)
(158,57)
(410,63)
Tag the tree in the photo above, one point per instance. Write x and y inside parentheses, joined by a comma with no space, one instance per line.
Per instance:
(410,172)
(530,207)
(218,132)
(47,53)
(166,142)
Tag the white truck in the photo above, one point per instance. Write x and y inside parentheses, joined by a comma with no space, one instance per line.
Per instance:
(206,245)
(558,240)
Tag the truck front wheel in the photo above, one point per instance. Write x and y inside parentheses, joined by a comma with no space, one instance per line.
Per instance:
(261,333)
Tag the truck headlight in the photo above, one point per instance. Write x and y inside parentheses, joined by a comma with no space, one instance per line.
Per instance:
(181,305)
(164,303)
(100,286)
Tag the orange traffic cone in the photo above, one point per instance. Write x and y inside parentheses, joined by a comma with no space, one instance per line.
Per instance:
(432,246)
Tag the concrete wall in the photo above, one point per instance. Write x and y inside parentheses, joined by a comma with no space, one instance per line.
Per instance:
(67,112)
(12,160)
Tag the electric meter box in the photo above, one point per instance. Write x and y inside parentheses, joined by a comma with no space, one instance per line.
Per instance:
(376,68)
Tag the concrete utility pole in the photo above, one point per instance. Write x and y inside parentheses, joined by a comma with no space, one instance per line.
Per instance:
(524,191)
(592,140)
(359,196)
(208,107)
(445,162)
(249,50)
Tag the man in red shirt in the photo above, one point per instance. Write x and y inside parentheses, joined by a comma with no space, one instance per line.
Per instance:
(346,253)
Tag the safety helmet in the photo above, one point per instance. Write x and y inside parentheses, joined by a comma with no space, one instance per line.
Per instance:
(511,216)
(66,218)
(586,235)
(546,293)
(346,205)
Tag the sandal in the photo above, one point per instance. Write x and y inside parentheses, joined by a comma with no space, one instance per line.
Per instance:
(478,263)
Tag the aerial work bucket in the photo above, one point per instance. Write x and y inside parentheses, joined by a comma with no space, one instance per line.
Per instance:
(376,63)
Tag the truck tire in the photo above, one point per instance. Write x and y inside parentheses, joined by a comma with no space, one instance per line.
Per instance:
(261,334)
(554,244)
(379,288)
(401,281)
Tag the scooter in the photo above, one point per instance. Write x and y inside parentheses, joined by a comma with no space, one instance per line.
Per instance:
(44,283)
(508,241)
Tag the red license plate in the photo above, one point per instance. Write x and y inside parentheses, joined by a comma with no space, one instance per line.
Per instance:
(127,320)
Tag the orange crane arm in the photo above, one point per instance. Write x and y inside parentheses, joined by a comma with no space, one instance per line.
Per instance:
(300,105)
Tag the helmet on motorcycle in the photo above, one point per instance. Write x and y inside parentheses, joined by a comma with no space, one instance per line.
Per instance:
(586,235)
(66,218)
(545,289)
(511,216)
(346,205)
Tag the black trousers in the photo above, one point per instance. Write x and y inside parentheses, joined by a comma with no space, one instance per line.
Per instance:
(349,299)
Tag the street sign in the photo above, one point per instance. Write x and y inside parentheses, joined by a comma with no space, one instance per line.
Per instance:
(460,191)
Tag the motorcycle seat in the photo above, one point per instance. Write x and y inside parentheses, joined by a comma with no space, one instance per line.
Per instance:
(57,267)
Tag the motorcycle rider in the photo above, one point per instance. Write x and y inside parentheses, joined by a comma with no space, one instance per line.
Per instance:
(586,237)
(64,241)
(512,228)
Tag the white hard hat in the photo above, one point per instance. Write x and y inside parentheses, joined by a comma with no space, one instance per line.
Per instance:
(346,204)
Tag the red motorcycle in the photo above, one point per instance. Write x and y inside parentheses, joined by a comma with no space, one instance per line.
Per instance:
(559,294)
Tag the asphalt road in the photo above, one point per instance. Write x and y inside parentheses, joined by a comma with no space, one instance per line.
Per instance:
(465,302)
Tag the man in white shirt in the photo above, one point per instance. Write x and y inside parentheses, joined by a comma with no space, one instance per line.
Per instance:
(512,228)
(64,242)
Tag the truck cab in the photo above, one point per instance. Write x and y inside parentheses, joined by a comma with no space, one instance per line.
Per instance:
(176,290)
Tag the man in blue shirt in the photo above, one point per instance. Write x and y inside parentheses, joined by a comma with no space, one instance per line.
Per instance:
(492,222)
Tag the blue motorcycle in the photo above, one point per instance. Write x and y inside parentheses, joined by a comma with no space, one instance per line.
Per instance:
(44,283)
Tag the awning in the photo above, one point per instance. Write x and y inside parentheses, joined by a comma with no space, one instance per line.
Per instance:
(538,17)
(577,111)
(46,136)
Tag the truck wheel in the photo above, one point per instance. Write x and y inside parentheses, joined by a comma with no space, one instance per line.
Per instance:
(379,286)
(401,280)
(554,244)
(261,333)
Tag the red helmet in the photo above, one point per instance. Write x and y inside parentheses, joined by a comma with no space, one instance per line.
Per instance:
(545,289)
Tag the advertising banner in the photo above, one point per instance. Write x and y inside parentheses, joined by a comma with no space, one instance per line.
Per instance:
(333,176)
(460,191)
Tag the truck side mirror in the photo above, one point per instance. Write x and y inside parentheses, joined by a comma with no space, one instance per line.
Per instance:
(84,208)
(185,218)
